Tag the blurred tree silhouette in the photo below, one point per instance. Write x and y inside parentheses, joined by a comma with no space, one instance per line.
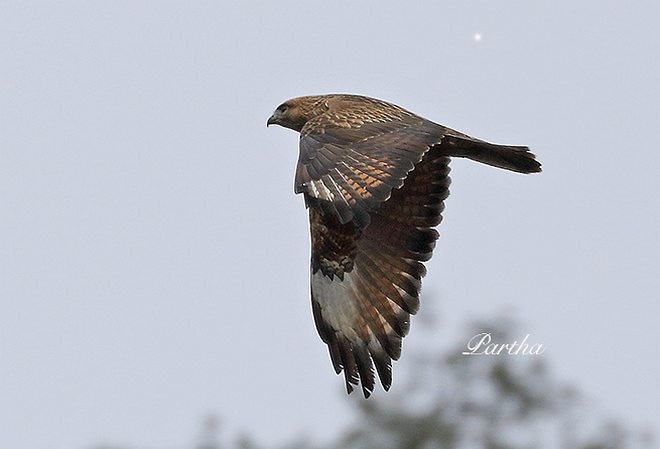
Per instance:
(209,438)
(451,401)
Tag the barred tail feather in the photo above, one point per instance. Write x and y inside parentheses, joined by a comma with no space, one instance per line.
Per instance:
(508,157)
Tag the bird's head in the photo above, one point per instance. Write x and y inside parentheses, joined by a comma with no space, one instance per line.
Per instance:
(294,113)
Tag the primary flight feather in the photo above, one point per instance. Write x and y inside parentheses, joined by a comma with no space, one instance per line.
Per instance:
(374,177)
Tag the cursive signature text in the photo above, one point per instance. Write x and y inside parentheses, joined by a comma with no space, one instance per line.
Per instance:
(482,344)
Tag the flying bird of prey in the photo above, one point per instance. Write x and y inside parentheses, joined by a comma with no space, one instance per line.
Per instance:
(374,177)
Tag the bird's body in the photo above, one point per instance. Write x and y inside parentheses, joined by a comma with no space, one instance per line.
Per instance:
(374,177)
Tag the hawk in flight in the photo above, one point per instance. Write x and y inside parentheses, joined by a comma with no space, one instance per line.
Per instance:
(374,177)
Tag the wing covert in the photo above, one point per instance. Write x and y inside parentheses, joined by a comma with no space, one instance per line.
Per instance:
(347,167)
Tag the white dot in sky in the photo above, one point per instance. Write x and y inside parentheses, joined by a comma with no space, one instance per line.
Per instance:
(477,37)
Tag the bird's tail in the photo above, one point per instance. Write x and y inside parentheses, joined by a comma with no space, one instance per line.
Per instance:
(514,158)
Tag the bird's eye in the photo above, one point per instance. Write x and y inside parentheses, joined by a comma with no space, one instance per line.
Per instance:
(282,107)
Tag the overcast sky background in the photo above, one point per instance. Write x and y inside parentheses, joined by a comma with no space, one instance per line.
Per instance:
(154,259)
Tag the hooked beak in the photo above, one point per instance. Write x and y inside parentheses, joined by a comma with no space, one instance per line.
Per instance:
(271,120)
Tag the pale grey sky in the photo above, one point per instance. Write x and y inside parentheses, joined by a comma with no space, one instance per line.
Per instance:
(154,259)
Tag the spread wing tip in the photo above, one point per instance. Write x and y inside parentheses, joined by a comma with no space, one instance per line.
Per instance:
(358,366)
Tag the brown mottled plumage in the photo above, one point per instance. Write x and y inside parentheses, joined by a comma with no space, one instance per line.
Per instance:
(374,177)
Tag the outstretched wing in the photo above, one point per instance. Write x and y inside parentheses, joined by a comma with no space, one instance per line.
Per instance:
(352,156)
(366,281)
